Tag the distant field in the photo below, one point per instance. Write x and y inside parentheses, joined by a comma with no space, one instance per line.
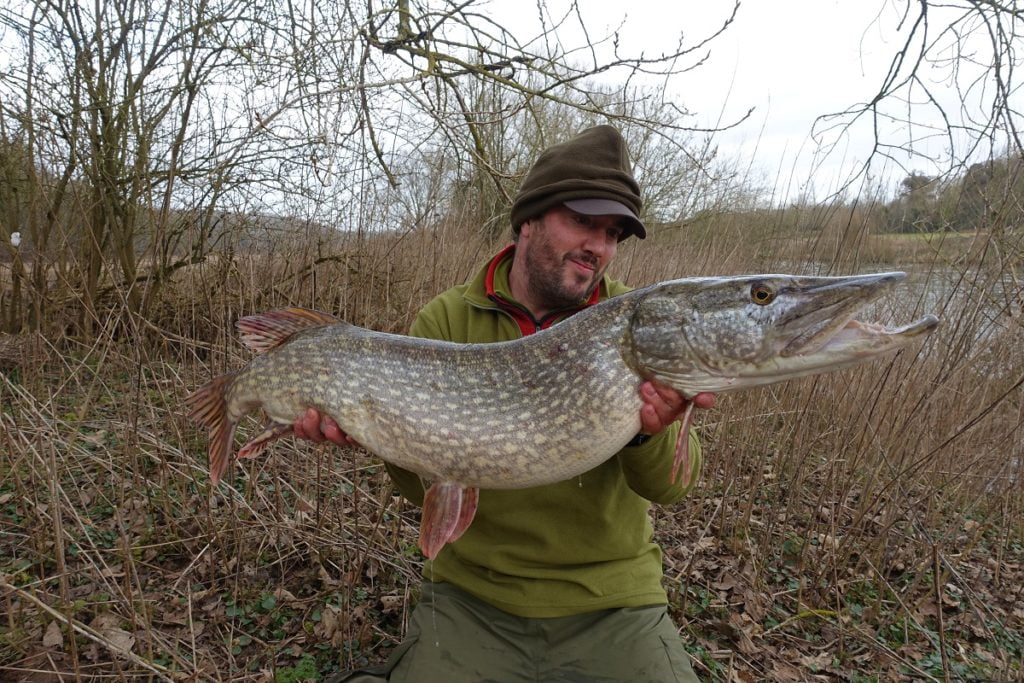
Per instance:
(928,247)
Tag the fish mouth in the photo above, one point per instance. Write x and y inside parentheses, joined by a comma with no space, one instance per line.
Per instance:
(852,343)
(734,333)
(828,306)
(825,335)
(858,337)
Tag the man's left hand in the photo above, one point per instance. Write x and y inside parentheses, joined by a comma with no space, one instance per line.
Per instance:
(663,405)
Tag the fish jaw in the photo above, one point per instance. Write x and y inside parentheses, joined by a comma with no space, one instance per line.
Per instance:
(853,343)
(714,334)
(821,307)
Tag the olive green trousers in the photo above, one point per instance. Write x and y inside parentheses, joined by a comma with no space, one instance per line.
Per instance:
(455,638)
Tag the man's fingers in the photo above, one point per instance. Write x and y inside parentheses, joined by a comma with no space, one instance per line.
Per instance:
(663,405)
(308,426)
(650,420)
(331,431)
(665,401)
(671,398)
(704,400)
(317,427)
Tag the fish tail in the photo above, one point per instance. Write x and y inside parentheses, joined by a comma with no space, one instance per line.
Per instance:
(208,406)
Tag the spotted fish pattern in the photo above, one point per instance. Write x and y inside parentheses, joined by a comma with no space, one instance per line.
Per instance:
(546,407)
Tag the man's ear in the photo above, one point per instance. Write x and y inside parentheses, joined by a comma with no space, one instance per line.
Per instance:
(529,227)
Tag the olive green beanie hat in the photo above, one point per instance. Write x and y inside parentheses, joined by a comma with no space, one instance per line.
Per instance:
(591,173)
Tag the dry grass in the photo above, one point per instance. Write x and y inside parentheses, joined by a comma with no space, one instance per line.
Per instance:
(865,525)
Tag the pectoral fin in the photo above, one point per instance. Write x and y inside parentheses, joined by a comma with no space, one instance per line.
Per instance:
(682,457)
(448,510)
(272,431)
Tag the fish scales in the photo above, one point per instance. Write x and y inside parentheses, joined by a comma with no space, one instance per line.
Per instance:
(476,414)
(549,406)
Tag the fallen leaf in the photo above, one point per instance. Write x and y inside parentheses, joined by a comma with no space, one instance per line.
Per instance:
(817,663)
(728,582)
(785,672)
(112,572)
(390,603)
(105,621)
(53,637)
(121,640)
(928,608)
(705,543)
(328,623)
(179,617)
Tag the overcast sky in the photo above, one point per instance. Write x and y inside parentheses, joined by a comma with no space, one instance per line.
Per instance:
(792,60)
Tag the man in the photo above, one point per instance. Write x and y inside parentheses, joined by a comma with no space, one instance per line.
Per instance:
(559,582)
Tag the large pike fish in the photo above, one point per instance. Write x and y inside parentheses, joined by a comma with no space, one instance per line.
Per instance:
(546,407)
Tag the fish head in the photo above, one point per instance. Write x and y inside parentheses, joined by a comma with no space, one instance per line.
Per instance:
(718,334)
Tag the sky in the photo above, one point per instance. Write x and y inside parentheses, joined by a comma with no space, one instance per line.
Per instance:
(792,61)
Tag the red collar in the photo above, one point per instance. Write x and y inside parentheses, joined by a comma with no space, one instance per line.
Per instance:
(527,323)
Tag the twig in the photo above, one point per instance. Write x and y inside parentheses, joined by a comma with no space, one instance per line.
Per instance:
(805,614)
(90,633)
(58,544)
(937,581)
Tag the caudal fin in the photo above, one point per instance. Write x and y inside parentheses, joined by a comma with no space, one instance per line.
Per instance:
(209,407)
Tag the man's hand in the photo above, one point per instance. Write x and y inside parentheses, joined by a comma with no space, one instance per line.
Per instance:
(318,427)
(663,405)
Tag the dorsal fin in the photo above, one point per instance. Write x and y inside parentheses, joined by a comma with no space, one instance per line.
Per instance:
(268,330)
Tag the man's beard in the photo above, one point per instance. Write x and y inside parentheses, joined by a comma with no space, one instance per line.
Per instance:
(546,272)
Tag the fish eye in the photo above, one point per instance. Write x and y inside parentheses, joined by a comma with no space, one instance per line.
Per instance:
(761,294)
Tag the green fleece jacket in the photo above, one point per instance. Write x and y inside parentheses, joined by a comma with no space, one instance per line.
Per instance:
(567,548)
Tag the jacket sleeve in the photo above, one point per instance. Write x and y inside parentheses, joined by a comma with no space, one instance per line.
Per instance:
(648,467)
(409,483)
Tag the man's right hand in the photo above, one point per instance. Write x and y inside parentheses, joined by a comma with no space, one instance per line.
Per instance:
(315,426)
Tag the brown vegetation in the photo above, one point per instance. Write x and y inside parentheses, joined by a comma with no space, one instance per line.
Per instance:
(864,524)
(169,168)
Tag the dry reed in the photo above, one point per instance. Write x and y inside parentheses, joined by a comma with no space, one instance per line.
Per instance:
(865,524)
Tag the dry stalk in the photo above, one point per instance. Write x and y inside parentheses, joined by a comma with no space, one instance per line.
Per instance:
(90,633)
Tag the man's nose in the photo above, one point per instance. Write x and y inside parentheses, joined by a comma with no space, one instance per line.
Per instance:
(598,242)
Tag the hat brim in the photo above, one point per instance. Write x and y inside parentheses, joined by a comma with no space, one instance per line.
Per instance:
(610,207)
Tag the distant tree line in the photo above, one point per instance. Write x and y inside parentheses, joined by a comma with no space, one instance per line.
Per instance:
(987,194)
(137,135)
(129,129)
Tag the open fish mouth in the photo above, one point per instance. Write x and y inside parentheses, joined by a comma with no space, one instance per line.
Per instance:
(858,337)
(825,308)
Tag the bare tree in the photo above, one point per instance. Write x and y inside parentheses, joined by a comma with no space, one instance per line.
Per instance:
(143,122)
(916,115)
(107,99)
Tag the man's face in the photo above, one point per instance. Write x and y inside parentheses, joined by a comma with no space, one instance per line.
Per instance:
(565,254)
